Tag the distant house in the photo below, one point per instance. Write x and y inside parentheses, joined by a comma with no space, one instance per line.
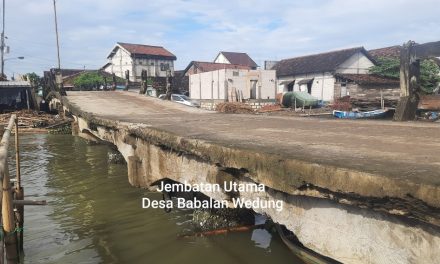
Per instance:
(127,59)
(237,58)
(16,95)
(195,67)
(316,74)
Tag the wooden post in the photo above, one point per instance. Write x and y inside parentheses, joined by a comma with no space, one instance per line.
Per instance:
(144,77)
(409,83)
(17,155)
(127,80)
(113,82)
(382,103)
(19,196)
(19,192)
(9,220)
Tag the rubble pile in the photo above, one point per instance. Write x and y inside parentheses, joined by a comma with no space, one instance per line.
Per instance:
(270,108)
(234,108)
(31,119)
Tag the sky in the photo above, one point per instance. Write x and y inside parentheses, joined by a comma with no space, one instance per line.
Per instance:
(199,29)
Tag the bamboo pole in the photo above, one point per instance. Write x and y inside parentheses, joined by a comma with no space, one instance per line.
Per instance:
(7,212)
(9,220)
(19,191)
(17,155)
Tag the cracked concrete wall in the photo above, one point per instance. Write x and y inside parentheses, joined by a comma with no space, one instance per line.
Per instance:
(343,232)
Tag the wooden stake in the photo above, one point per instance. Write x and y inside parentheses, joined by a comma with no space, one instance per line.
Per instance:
(19,196)
(9,220)
(17,155)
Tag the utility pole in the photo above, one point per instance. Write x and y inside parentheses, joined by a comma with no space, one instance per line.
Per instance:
(2,45)
(56,32)
(58,74)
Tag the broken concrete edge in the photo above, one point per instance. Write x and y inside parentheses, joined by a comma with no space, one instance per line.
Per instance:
(291,176)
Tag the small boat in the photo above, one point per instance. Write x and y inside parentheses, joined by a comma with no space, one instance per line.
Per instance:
(380,113)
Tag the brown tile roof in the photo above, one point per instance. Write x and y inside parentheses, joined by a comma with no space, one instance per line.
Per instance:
(387,52)
(394,53)
(239,58)
(212,66)
(146,51)
(369,79)
(322,62)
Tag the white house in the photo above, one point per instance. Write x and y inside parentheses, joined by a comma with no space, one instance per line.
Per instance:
(316,74)
(256,87)
(131,59)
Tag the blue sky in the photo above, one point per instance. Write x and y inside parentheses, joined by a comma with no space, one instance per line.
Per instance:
(199,29)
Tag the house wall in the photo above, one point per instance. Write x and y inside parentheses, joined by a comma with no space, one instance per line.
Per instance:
(221,59)
(123,61)
(322,87)
(370,93)
(153,66)
(356,64)
(120,62)
(218,84)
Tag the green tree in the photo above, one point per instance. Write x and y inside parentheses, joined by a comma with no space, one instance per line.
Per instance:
(88,80)
(429,76)
(429,72)
(34,78)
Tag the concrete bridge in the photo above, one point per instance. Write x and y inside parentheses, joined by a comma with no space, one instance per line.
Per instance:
(356,191)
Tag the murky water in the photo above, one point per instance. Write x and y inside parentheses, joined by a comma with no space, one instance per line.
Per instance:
(94,216)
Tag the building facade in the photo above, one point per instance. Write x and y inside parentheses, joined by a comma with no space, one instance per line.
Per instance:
(256,87)
(316,74)
(129,60)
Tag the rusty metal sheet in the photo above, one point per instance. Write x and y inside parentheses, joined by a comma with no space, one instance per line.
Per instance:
(430,102)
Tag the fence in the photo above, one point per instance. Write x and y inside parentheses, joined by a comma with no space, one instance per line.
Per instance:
(11,200)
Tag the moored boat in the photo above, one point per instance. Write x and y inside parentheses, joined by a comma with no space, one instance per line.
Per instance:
(380,113)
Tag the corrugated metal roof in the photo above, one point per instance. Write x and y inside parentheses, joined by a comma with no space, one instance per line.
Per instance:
(11,84)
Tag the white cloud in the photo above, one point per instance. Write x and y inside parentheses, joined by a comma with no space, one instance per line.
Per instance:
(198,29)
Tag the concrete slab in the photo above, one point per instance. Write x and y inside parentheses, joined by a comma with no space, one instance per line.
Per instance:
(369,158)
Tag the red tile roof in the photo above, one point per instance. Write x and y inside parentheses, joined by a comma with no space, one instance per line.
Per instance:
(211,66)
(239,58)
(146,50)
(369,79)
(387,52)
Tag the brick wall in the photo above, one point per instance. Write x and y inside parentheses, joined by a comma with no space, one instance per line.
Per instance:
(255,104)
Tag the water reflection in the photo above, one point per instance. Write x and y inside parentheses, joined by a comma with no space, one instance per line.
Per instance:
(94,216)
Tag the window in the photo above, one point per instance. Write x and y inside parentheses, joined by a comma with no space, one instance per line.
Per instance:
(235,73)
(176,98)
(164,67)
(140,62)
(344,89)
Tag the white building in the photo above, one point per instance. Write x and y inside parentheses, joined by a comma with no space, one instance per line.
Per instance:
(131,59)
(257,87)
(315,74)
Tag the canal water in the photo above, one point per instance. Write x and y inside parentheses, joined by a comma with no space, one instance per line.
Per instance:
(94,216)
